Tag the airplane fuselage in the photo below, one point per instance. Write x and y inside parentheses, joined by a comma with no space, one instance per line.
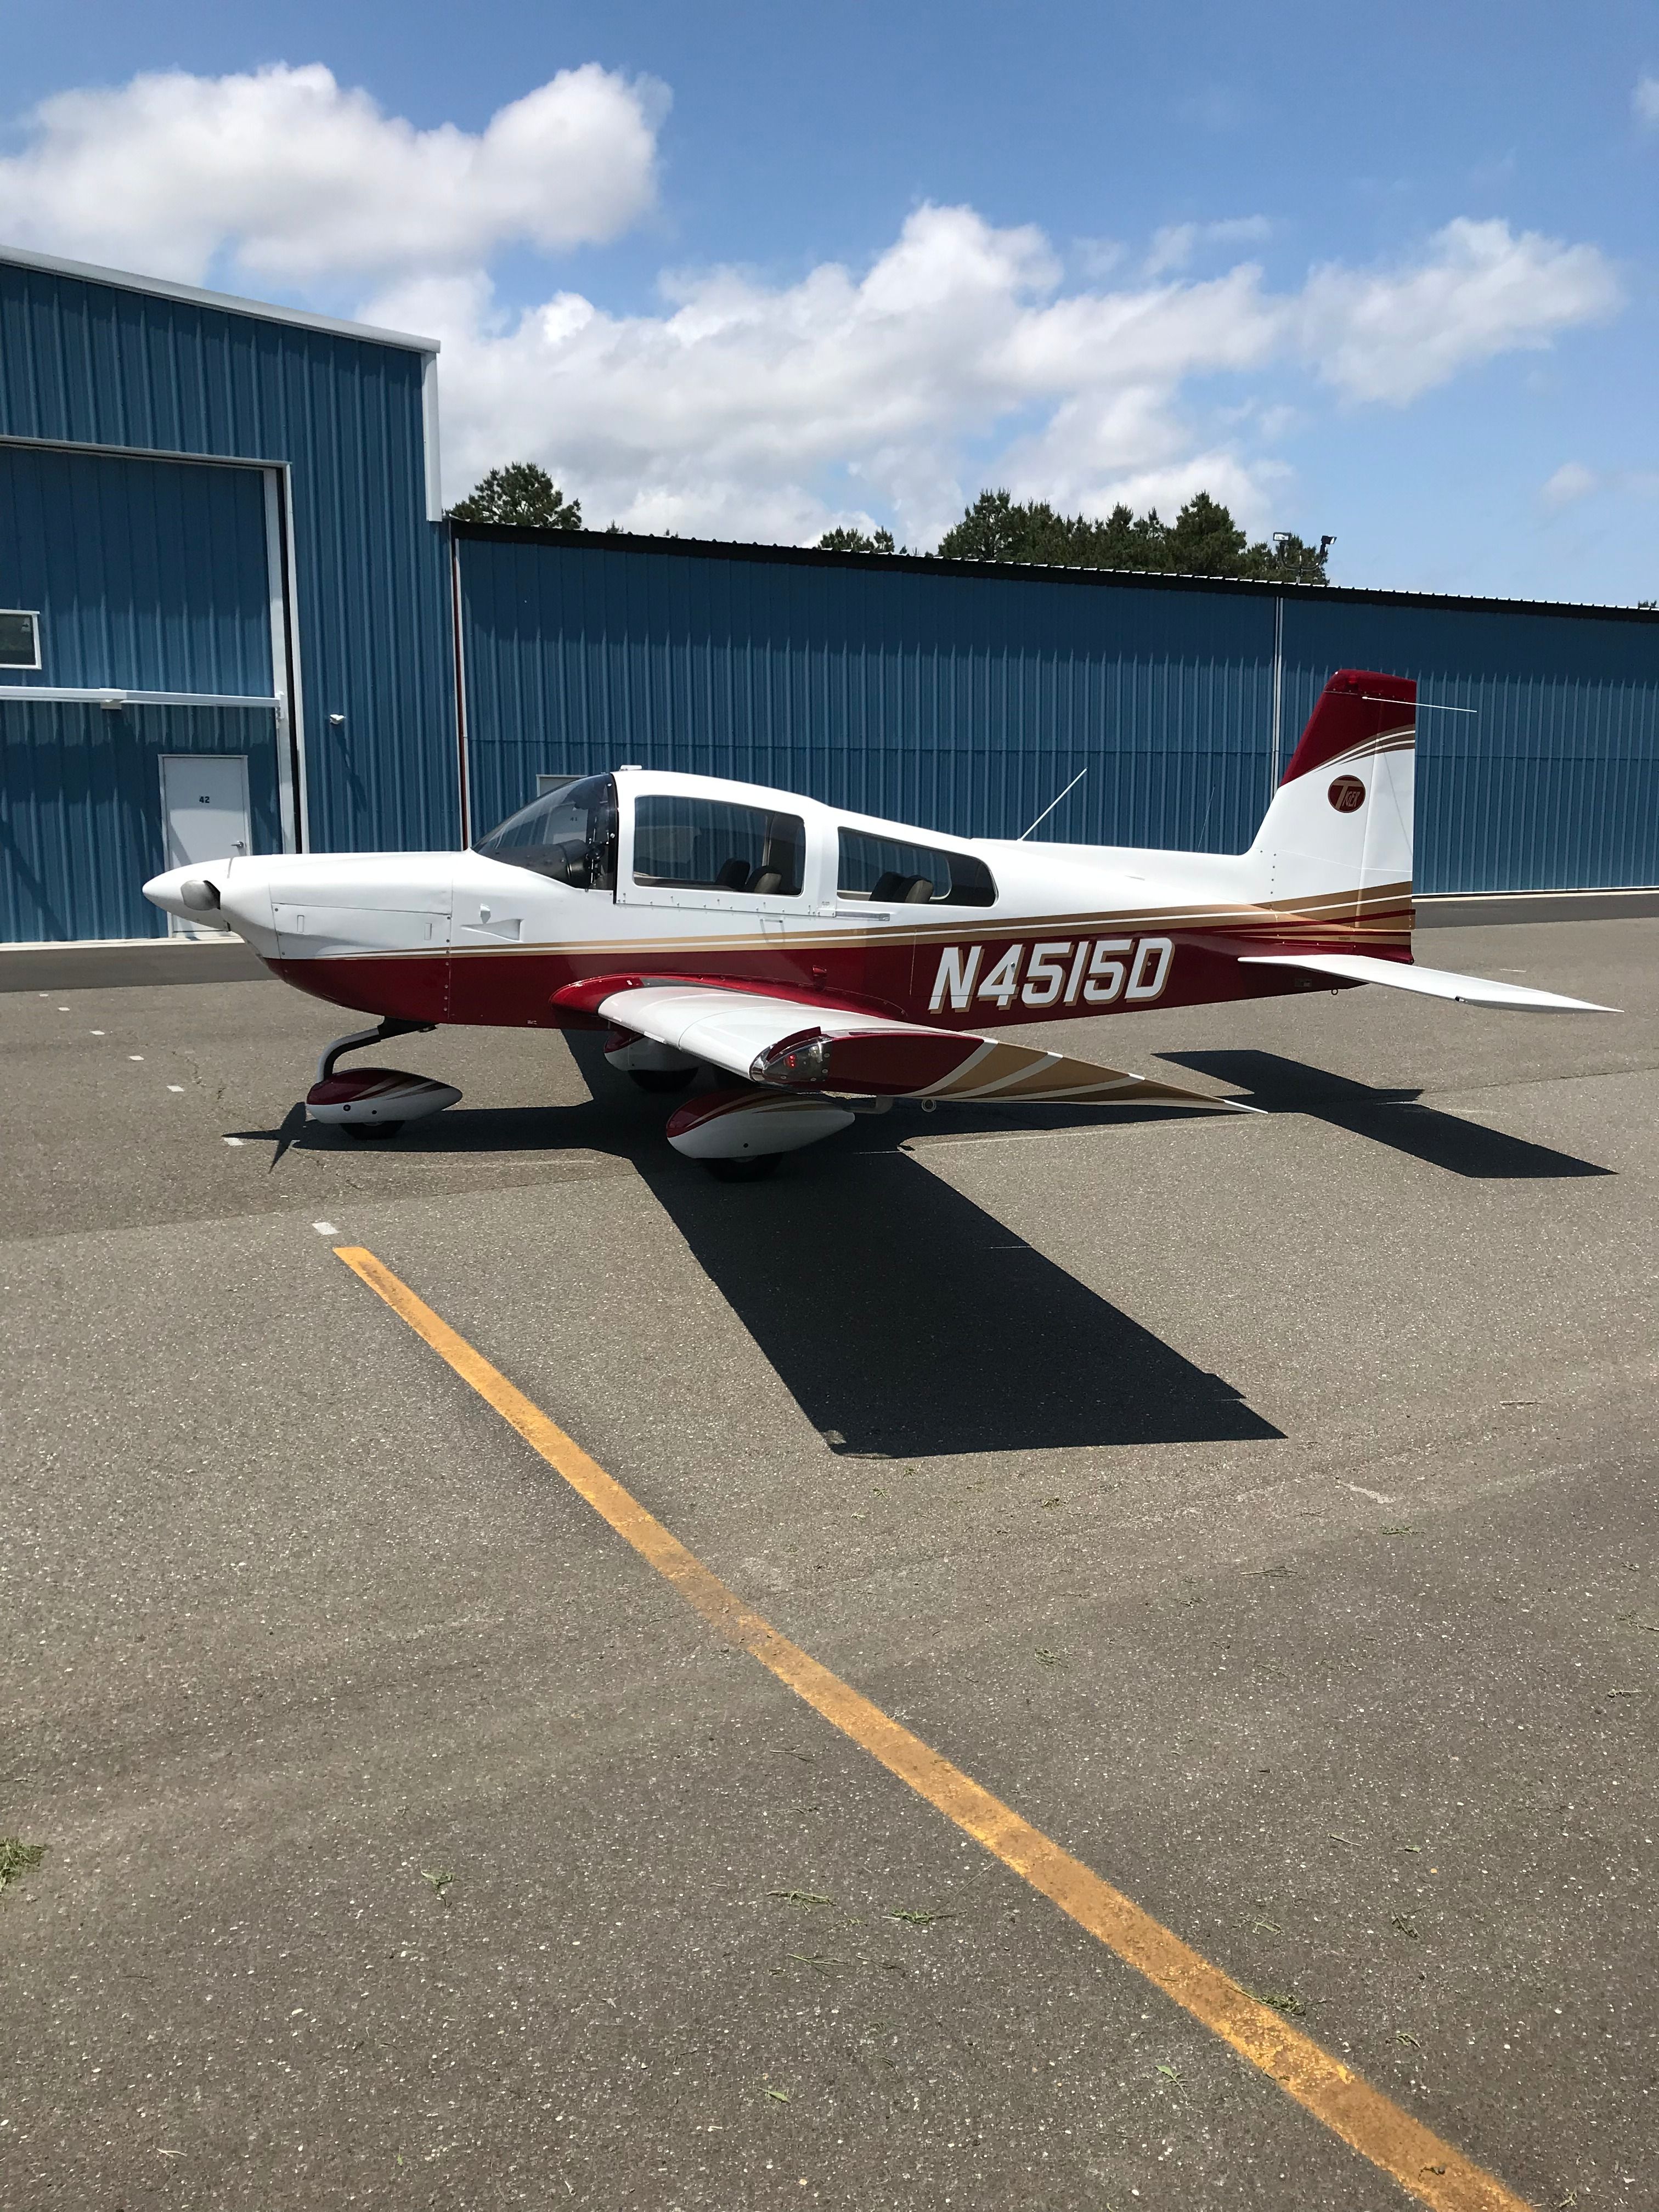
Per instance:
(1045,932)
(820,964)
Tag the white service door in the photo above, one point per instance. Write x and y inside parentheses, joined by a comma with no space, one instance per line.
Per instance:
(204,814)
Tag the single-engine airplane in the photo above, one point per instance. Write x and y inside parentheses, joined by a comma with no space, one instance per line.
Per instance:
(821,963)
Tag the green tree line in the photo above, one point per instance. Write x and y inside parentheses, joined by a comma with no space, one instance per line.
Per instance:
(1203,540)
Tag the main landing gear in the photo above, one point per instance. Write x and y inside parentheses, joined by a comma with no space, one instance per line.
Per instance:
(653,1066)
(740,1132)
(374,1102)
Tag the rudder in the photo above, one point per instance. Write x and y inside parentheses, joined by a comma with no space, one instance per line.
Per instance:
(1335,846)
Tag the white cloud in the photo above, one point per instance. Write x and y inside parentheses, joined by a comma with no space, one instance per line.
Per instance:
(1175,245)
(1571,482)
(1096,256)
(1391,335)
(960,354)
(289,176)
(745,406)
(1171,247)
(742,404)
(1645,100)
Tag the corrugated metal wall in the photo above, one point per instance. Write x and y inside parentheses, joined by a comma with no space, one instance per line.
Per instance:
(80,809)
(146,575)
(964,700)
(962,705)
(85,362)
(1552,781)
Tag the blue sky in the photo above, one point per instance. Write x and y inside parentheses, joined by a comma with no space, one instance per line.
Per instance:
(760,268)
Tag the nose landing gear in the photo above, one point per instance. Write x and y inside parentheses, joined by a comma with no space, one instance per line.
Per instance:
(374,1102)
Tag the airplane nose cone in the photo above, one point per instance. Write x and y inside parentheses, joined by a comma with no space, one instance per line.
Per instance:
(192,893)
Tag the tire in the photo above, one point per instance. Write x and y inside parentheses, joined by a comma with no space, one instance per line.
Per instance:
(751,1171)
(365,1131)
(663,1079)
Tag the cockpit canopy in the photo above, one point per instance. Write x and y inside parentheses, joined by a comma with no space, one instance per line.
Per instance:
(736,841)
(567,835)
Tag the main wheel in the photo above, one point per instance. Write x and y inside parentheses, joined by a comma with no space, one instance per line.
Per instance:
(755,1170)
(364,1131)
(664,1078)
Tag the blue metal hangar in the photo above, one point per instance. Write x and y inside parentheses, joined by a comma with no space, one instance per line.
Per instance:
(224,595)
(231,613)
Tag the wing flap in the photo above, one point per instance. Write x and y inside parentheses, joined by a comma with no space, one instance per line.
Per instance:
(1428,982)
(785,1043)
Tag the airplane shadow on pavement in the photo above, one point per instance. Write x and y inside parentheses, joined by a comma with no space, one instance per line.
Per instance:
(1392,1117)
(908,1323)
(905,1320)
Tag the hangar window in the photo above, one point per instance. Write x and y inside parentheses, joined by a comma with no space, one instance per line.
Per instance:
(19,640)
(889,872)
(568,835)
(705,844)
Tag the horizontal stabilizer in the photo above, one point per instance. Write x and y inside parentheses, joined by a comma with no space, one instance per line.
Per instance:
(1430,983)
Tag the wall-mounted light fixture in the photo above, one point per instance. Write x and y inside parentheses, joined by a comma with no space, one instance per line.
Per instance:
(337,721)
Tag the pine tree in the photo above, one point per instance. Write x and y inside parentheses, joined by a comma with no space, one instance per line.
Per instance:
(522,494)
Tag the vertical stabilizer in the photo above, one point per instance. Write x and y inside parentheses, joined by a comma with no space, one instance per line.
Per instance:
(1335,846)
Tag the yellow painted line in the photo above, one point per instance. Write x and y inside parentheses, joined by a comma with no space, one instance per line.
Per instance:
(1432,2171)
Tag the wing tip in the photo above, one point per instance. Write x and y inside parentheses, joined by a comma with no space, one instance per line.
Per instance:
(1535,1002)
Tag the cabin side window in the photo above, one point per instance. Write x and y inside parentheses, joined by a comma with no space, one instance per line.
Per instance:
(708,845)
(889,873)
(568,835)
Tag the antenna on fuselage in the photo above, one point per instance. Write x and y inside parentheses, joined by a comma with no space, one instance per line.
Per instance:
(1050,809)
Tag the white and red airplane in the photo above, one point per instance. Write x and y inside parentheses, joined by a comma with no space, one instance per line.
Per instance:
(821,963)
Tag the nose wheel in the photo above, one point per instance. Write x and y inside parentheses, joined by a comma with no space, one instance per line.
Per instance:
(368,1102)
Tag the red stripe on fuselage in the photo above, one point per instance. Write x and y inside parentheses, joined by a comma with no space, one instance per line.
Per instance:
(513,989)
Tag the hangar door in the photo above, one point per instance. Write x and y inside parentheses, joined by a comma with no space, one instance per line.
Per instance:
(142,622)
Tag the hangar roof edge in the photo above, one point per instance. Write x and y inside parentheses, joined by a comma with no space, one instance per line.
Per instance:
(927,564)
(127,280)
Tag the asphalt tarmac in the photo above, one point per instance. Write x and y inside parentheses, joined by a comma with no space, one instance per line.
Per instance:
(1263,1508)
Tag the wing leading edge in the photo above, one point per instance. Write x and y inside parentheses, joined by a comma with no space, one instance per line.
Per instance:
(796,1046)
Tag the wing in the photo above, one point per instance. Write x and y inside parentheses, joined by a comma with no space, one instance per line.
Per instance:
(1430,983)
(800,1046)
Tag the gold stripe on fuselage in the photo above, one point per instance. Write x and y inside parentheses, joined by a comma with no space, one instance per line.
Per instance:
(1267,917)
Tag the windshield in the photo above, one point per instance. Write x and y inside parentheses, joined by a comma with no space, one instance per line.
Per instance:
(568,835)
